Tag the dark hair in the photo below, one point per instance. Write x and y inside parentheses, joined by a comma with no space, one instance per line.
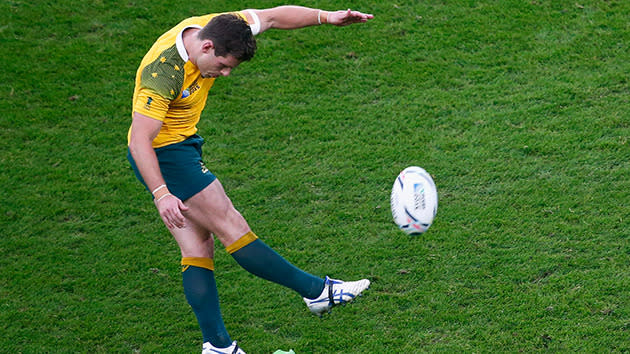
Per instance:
(231,35)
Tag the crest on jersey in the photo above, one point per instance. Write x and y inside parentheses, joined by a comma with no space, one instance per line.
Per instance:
(147,105)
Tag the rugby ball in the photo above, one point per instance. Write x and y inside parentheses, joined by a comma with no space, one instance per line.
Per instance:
(414,200)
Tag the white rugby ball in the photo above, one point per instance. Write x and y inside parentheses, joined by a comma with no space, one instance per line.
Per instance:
(414,200)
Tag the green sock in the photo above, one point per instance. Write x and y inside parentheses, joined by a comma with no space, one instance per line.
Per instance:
(260,260)
(201,292)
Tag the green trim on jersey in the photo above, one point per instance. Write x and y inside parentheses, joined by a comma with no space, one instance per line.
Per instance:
(165,75)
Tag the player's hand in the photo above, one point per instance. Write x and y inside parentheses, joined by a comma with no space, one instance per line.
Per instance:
(170,208)
(347,17)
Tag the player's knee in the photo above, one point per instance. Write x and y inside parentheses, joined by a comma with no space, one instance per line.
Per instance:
(236,216)
(232,217)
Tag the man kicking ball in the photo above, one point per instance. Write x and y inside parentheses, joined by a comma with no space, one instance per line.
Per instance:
(171,89)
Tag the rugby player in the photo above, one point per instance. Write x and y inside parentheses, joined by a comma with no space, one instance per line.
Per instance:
(165,152)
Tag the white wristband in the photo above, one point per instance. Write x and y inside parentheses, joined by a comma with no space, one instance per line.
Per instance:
(162,197)
(319,17)
(158,188)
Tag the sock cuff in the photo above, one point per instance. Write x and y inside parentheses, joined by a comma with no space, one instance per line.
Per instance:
(200,262)
(241,242)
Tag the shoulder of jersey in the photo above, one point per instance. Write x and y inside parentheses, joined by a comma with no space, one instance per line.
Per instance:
(165,74)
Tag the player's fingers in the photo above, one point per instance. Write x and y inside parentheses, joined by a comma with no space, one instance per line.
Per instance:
(167,221)
(176,217)
(350,17)
(364,17)
(171,212)
(180,221)
(169,217)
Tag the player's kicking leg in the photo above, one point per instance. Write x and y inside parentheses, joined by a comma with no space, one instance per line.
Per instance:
(213,209)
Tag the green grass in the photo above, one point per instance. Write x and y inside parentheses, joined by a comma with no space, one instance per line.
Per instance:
(519,109)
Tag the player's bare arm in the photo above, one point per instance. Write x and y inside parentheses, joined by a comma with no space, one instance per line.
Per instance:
(143,132)
(293,17)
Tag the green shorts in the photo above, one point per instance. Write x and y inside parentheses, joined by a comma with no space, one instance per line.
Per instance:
(182,168)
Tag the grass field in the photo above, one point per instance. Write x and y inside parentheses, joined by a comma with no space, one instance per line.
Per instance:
(519,109)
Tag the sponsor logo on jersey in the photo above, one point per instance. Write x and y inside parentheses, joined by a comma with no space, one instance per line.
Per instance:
(191,89)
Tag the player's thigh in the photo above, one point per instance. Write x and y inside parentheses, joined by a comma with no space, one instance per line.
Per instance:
(212,209)
(194,240)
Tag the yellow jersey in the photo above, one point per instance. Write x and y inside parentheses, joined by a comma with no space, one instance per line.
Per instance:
(169,87)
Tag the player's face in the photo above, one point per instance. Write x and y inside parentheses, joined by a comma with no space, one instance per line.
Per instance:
(212,66)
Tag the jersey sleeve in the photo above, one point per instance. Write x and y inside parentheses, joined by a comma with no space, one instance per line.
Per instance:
(160,83)
(151,104)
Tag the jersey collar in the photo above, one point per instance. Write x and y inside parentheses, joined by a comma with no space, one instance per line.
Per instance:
(179,42)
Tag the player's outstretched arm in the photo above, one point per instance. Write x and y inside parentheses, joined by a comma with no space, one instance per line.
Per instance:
(293,17)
